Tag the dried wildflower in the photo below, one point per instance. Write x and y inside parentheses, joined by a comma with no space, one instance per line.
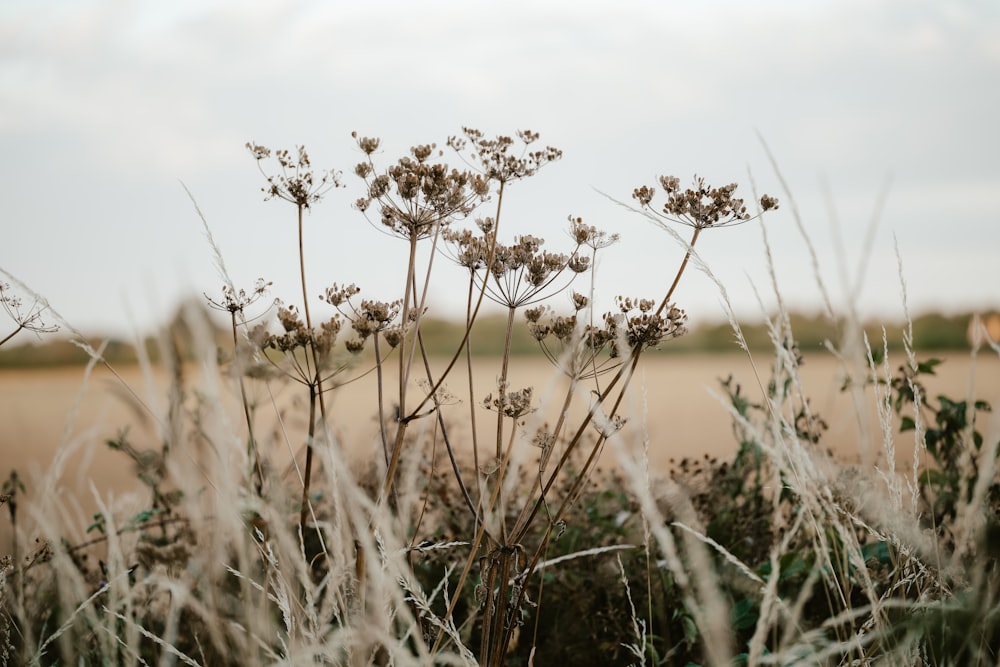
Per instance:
(533,314)
(513,404)
(367,319)
(394,335)
(236,301)
(297,335)
(589,235)
(374,317)
(640,325)
(416,195)
(608,427)
(367,144)
(496,158)
(700,206)
(543,438)
(29,319)
(337,295)
(578,350)
(296,182)
(519,274)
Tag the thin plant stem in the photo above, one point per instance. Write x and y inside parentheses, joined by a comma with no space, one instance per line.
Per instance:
(502,383)
(381,399)
(405,420)
(474,548)
(307,473)
(12,334)
(251,441)
(527,516)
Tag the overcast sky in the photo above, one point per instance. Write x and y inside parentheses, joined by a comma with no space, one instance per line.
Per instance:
(107,106)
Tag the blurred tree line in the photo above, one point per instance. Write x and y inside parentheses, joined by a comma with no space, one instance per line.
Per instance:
(932,331)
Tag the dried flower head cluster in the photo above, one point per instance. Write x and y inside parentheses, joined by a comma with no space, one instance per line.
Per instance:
(236,301)
(296,334)
(497,160)
(370,317)
(513,404)
(640,325)
(29,319)
(580,350)
(296,182)
(700,206)
(590,236)
(520,273)
(586,350)
(417,195)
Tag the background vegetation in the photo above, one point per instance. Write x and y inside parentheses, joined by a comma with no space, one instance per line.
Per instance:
(932,332)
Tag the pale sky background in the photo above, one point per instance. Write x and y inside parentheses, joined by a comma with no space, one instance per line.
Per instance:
(106,106)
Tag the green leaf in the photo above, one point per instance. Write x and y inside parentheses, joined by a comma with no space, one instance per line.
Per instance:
(877,550)
(927,366)
(744,614)
(98,524)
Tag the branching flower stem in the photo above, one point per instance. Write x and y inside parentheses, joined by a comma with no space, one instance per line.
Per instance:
(415,412)
(625,371)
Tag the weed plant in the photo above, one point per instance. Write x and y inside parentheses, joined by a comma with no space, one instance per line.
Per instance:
(448,546)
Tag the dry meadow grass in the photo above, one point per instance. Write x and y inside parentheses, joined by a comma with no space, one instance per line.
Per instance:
(43,411)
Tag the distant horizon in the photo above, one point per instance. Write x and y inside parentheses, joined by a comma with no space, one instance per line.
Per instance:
(64,335)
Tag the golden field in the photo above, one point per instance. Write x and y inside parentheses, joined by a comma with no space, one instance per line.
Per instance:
(60,417)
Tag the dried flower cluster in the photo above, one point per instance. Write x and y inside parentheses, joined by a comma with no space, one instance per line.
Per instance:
(700,206)
(416,196)
(590,236)
(513,404)
(519,273)
(297,335)
(581,350)
(296,182)
(29,319)
(236,301)
(370,317)
(638,324)
(496,159)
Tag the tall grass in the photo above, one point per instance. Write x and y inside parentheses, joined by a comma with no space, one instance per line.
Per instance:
(447,547)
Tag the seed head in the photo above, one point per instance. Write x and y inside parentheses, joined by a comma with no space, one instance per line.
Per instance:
(497,160)
(417,195)
(700,206)
(296,181)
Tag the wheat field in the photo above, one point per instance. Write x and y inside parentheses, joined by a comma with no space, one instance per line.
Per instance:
(60,415)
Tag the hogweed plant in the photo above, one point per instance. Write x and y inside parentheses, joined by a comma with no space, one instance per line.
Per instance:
(235,302)
(419,198)
(297,183)
(456,547)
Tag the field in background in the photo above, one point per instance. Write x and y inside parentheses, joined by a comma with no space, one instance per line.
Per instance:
(47,411)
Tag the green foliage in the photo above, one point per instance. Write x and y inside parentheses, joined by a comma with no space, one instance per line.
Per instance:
(952,439)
